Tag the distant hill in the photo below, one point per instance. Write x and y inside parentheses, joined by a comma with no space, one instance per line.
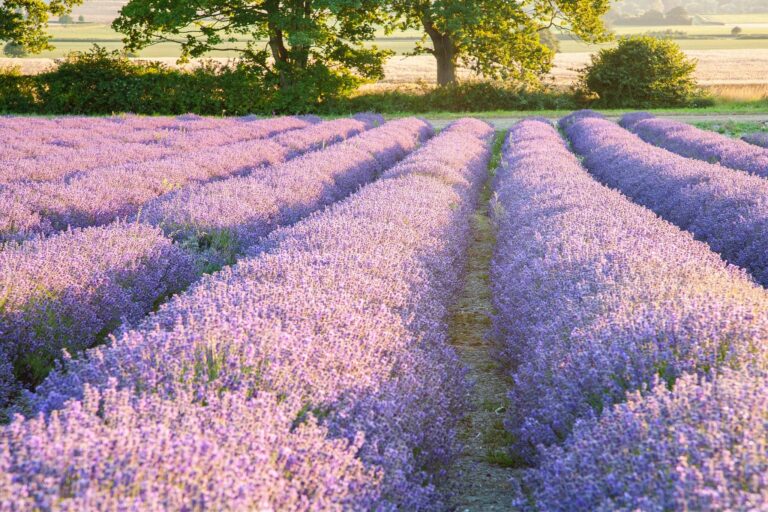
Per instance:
(99,10)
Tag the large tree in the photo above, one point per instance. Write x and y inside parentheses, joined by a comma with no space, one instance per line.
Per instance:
(287,39)
(23,23)
(498,39)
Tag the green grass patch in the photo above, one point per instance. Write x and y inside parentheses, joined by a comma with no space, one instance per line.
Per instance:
(733,128)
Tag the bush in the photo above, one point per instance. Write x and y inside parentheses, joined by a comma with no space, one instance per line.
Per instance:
(641,72)
(14,50)
(17,92)
(102,82)
(461,97)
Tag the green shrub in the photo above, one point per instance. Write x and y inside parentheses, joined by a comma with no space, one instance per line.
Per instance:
(17,91)
(461,97)
(14,50)
(103,82)
(641,72)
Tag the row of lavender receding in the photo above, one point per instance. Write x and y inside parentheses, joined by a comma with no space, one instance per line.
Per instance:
(62,153)
(312,375)
(598,297)
(226,217)
(692,142)
(725,208)
(70,290)
(102,195)
(30,137)
(757,138)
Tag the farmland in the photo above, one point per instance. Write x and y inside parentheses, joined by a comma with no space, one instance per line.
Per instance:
(291,313)
(733,68)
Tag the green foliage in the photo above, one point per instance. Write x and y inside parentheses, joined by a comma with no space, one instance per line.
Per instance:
(460,97)
(66,19)
(17,91)
(102,82)
(498,39)
(23,22)
(641,72)
(315,49)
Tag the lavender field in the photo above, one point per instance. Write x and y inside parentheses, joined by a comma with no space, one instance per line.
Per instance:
(293,313)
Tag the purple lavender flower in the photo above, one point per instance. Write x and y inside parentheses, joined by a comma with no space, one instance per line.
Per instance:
(65,150)
(70,290)
(758,139)
(689,141)
(701,446)
(596,296)
(314,374)
(727,209)
(229,216)
(105,194)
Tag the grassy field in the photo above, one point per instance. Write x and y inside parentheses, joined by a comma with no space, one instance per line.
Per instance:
(733,128)
(81,36)
(731,69)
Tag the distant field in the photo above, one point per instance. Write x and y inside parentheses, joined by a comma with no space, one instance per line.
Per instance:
(734,68)
(80,37)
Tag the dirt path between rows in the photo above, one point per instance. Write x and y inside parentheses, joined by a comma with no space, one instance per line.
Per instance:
(480,480)
(504,123)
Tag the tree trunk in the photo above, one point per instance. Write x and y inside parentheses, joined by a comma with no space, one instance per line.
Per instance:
(277,46)
(444,52)
(446,68)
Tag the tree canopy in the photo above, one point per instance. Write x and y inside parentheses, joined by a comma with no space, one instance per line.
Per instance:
(292,42)
(498,39)
(24,22)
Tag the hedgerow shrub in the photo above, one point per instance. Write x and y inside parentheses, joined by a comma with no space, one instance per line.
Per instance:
(102,82)
(461,97)
(17,91)
(641,72)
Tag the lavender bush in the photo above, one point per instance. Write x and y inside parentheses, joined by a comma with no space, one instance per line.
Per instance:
(312,375)
(229,216)
(103,195)
(596,296)
(63,151)
(70,290)
(699,447)
(577,116)
(689,141)
(727,209)
(758,139)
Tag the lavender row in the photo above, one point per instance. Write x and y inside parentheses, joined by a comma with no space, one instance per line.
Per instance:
(29,137)
(70,290)
(758,139)
(596,296)
(691,142)
(103,195)
(727,209)
(128,124)
(73,154)
(313,375)
(226,217)
(701,446)
(65,292)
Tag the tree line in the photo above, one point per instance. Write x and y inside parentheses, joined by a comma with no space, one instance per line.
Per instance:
(295,40)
